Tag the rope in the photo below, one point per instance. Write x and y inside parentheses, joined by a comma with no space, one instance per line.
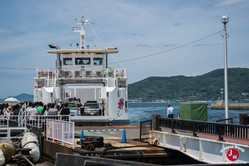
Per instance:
(168,50)
(115,58)
(16,68)
(132,59)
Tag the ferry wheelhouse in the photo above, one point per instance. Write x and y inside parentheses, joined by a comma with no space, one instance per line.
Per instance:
(84,74)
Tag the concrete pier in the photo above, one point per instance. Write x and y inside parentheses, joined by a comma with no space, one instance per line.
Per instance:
(234,106)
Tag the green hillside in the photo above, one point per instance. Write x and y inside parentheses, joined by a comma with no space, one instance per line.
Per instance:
(203,87)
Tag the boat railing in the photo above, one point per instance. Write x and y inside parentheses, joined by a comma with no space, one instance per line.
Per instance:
(45,73)
(76,73)
(68,74)
(63,131)
(211,128)
(120,72)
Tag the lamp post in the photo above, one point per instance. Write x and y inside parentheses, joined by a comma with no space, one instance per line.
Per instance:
(224,20)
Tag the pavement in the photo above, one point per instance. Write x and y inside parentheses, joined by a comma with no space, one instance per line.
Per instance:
(110,132)
(113,134)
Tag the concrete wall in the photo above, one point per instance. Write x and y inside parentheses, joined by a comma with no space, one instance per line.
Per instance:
(50,149)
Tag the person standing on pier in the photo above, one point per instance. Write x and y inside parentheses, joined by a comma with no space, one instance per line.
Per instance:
(170,112)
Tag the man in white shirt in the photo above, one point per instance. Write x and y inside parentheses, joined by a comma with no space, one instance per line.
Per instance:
(170,112)
(32,113)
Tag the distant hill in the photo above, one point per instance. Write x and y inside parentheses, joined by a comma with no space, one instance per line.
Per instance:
(22,97)
(203,87)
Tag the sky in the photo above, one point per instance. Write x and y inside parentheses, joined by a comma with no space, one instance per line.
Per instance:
(164,32)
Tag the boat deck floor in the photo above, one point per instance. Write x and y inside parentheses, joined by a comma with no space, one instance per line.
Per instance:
(114,135)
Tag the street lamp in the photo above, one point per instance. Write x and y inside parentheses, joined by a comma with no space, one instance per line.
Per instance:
(224,20)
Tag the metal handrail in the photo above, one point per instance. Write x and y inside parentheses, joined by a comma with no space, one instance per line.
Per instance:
(62,131)
(35,120)
(220,120)
(10,132)
(228,130)
(142,131)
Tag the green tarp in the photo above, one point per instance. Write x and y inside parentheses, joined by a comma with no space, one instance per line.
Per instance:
(194,111)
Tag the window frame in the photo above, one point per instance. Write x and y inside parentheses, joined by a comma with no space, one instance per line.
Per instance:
(98,59)
(64,60)
(82,61)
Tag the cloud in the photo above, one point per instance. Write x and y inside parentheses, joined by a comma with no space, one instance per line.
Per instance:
(138,34)
(201,45)
(207,44)
(6,31)
(229,2)
(143,45)
(177,24)
(169,45)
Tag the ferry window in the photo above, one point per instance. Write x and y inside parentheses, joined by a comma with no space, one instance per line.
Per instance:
(97,61)
(82,61)
(67,61)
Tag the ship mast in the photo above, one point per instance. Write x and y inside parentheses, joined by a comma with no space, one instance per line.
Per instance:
(82,32)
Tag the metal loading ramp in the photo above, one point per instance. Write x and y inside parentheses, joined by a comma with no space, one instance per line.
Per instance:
(202,149)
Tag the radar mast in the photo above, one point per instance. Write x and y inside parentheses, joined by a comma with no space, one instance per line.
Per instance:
(81,31)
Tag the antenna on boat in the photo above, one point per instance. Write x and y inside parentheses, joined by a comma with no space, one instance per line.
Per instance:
(81,31)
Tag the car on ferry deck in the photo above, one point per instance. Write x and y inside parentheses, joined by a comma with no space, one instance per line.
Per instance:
(91,108)
(74,109)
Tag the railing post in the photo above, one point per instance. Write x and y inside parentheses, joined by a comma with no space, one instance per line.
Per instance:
(140,132)
(172,129)
(156,122)
(194,129)
(62,131)
(38,121)
(73,135)
(8,133)
(53,130)
(221,132)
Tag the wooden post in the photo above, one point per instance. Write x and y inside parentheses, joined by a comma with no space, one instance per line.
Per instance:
(156,122)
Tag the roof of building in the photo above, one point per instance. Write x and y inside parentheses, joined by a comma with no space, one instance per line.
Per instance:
(80,51)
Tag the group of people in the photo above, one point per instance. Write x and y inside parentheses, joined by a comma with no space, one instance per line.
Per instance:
(34,109)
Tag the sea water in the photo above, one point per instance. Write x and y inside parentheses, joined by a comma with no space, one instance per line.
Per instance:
(144,111)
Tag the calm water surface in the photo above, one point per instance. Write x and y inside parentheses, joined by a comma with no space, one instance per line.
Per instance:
(144,111)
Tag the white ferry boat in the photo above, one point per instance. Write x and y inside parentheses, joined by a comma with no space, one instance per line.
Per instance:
(84,74)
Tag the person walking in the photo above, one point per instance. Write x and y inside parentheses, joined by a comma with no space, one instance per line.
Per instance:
(170,112)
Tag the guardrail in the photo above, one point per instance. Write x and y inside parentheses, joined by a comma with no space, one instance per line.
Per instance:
(62,131)
(227,130)
(145,127)
(12,132)
(4,122)
(35,120)
(225,120)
